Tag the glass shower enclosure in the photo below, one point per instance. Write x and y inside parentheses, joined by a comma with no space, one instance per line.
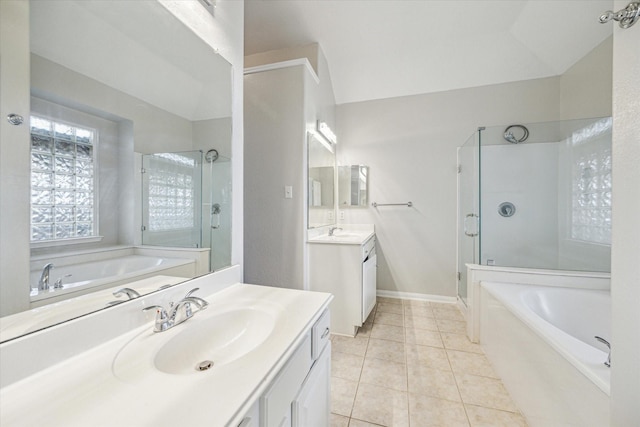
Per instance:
(186,203)
(538,198)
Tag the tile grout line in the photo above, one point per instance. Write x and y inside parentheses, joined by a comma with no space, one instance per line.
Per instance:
(368,337)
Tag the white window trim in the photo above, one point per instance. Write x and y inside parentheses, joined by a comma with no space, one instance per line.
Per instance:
(96,173)
(64,242)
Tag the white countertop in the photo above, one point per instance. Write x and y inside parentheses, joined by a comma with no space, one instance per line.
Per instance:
(343,238)
(84,390)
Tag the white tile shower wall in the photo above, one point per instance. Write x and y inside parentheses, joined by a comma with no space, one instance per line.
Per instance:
(527,176)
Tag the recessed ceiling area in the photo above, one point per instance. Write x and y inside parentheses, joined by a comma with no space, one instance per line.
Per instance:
(388,48)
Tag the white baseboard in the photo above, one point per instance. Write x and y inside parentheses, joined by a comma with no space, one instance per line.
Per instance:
(415,296)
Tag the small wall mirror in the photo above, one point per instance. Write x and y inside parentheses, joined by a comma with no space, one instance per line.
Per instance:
(321,182)
(353,186)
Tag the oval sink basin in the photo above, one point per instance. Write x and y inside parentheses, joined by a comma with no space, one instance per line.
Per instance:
(205,342)
(221,338)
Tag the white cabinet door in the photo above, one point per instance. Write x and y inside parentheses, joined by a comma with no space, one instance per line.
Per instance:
(275,404)
(369,285)
(312,406)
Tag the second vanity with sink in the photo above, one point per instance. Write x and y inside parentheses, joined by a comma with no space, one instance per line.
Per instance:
(342,261)
(256,356)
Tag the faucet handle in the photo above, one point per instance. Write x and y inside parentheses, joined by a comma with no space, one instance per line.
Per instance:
(199,302)
(159,310)
(162,318)
(58,284)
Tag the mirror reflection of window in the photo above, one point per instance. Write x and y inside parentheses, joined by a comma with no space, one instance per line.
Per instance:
(62,180)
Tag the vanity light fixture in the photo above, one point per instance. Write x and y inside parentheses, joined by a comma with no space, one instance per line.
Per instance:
(323,140)
(326,131)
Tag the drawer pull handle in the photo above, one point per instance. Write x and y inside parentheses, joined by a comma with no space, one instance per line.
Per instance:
(324,334)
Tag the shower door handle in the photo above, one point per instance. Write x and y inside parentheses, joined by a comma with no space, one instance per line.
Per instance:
(215,210)
(474,217)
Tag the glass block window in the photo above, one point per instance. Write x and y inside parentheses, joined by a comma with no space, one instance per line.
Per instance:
(62,180)
(172,192)
(591,183)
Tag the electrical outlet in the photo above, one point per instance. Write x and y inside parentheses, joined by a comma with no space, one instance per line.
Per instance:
(288,192)
(330,215)
(341,214)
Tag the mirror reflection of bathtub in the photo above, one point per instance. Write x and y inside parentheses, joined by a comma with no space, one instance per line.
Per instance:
(42,317)
(103,78)
(89,271)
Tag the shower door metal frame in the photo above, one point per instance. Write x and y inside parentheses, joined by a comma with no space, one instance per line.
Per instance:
(468,187)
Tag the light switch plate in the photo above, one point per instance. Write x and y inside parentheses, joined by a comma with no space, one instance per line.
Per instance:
(288,192)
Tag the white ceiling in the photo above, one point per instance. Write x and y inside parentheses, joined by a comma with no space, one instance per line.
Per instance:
(387,48)
(138,48)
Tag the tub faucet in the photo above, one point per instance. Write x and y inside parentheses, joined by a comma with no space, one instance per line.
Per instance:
(126,291)
(605,342)
(43,283)
(333,230)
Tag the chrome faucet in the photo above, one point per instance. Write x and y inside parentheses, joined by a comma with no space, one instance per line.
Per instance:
(58,284)
(167,320)
(605,342)
(126,291)
(333,230)
(43,283)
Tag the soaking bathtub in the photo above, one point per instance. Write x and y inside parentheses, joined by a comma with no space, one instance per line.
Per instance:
(540,340)
(39,318)
(84,274)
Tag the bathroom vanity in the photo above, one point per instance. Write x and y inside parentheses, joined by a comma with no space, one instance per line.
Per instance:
(344,264)
(269,350)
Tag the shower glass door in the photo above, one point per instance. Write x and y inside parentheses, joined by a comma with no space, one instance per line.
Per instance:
(172,199)
(216,211)
(468,209)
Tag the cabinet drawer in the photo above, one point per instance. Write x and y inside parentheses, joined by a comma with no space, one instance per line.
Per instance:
(275,404)
(367,247)
(320,334)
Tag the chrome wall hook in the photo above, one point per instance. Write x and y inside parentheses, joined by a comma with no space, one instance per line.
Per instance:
(626,17)
(15,119)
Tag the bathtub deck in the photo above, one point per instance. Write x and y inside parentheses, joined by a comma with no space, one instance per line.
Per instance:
(412,364)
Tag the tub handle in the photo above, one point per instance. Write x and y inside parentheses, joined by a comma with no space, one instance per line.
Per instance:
(605,342)
(215,211)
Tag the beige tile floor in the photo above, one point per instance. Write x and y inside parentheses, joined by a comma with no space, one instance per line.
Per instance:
(411,364)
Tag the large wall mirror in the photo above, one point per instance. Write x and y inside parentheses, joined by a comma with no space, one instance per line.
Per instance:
(321,181)
(130,134)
